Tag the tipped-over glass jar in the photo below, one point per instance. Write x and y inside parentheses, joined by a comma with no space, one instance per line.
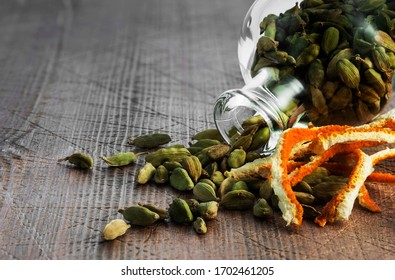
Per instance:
(320,61)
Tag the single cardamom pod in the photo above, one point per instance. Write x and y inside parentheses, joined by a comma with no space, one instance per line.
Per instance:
(180,212)
(171,165)
(330,40)
(304,198)
(326,190)
(167,154)
(199,225)
(331,70)
(236,158)
(217,177)
(238,200)
(254,120)
(262,209)
(384,40)
(150,140)
(180,180)
(209,182)
(318,100)
(226,186)
(80,160)
(308,55)
(316,73)
(139,215)
(240,185)
(204,192)
(161,175)
(302,186)
(374,79)
(368,94)
(193,204)
(205,143)
(266,190)
(217,151)
(163,213)
(211,133)
(341,99)
(348,73)
(120,159)
(114,229)
(380,59)
(145,173)
(266,44)
(208,210)
(259,140)
(317,176)
(193,166)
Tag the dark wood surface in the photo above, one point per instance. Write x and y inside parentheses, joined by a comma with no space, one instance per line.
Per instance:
(87,75)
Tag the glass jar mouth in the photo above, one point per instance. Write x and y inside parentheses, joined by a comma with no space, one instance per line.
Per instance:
(233,107)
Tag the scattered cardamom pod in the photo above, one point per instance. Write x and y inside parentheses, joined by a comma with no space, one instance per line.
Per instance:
(204,192)
(174,153)
(199,225)
(145,173)
(163,213)
(120,159)
(180,180)
(180,212)
(114,229)
(161,175)
(211,133)
(262,209)
(238,200)
(150,140)
(139,215)
(193,166)
(236,158)
(208,210)
(80,160)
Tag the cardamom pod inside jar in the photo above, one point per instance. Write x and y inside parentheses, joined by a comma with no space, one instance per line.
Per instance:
(317,61)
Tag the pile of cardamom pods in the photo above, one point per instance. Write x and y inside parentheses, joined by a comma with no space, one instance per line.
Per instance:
(199,172)
(342,50)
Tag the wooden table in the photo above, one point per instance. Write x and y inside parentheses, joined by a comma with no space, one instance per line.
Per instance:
(87,75)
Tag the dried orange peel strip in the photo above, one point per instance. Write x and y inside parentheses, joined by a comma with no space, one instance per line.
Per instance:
(340,207)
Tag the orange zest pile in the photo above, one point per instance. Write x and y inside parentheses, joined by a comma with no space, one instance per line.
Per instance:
(321,144)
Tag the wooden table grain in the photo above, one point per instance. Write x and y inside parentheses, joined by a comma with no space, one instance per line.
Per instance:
(87,75)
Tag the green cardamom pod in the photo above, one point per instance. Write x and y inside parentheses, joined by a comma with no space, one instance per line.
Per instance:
(150,140)
(171,165)
(326,190)
(317,176)
(384,40)
(211,133)
(193,166)
(374,79)
(163,213)
(262,209)
(381,60)
(204,192)
(209,182)
(330,40)
(266,44)
(236,158)
(139,215)
(305,198)
(240,185)
(80,160)
(370,5)
(199,225)
(180,180)
(167,154)
(180,212)
(217,177)
(254,120)
(302,186)
(238,200)
(114,229)
(368,94)
(341,99)
(259,140)
(226,186)
(208,210)
(145,173)
(310,53)
(205,143)
(348,73)
(161,175)
(331,69)
(120,159)
(266,190)
(316,73)
(217,151)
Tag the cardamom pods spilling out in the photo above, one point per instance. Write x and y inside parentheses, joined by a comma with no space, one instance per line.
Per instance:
(180,180)
(331,45)
(145,173)
(238,200)
(208,210)
(262,209)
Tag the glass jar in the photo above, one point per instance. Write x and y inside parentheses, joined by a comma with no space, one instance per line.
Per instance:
(310,63)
